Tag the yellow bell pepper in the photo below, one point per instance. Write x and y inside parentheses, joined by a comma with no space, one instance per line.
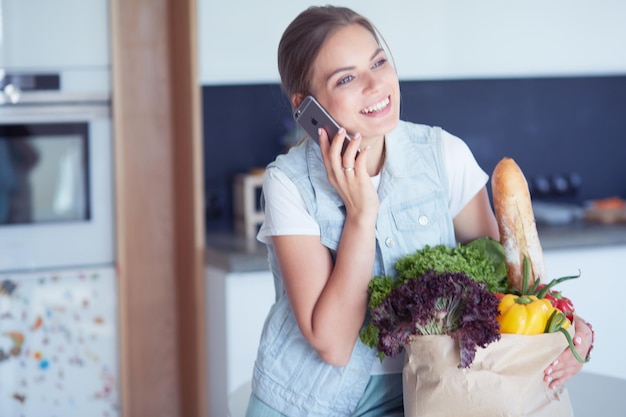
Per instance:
(524,314)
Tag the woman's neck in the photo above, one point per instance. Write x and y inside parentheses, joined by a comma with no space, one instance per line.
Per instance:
(376,157)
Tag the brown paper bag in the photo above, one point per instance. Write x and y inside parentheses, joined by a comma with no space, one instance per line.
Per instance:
(505,379)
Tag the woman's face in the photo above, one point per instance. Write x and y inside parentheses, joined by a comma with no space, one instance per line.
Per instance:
(355,82)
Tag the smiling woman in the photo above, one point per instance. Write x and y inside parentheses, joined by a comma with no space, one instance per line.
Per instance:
(334,219)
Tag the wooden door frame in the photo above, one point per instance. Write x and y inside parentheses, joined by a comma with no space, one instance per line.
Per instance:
(159,207)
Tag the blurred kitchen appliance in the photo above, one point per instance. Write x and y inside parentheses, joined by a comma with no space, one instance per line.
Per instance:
(56,144)
(246,196)
(65,37)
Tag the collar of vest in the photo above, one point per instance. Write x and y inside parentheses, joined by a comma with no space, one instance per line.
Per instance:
(404,158)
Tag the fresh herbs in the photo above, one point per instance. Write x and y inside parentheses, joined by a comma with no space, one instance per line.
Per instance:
(449,303)
(439,290)
(482,259)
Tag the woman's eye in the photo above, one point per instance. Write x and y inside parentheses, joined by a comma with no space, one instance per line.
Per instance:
(379,63)
(345,80)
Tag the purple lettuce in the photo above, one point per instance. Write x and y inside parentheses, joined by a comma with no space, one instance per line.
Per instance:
(447,303)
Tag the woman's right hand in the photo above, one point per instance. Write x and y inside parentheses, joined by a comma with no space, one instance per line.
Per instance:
(348,174)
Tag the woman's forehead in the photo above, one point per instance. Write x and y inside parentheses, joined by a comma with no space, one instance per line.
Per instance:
(346,47)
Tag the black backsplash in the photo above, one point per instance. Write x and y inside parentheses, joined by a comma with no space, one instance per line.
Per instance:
(572,128)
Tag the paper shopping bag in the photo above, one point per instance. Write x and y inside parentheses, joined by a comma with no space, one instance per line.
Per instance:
(505,379)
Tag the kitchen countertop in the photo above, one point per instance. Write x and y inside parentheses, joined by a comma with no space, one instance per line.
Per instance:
(581,234)
(234,253)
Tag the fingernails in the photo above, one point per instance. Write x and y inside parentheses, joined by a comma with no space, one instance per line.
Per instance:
(555,363)
(357,136)
(319,131)
(549,372)
(549,380)
(578,340)
(341,131)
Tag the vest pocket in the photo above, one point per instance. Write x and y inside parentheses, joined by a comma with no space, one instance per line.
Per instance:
(419,214)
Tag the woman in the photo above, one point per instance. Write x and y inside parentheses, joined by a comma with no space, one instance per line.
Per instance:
(333,221)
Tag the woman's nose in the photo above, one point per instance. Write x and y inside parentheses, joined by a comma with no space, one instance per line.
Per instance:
(371,83)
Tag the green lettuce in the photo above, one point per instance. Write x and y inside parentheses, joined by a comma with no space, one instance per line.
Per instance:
(483,260)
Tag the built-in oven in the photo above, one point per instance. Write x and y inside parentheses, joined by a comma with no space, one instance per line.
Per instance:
(56,186)
(56,141)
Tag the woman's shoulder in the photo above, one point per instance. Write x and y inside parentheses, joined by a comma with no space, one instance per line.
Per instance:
(292,161)
(295,151)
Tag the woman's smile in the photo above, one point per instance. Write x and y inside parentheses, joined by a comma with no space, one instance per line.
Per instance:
(378,107)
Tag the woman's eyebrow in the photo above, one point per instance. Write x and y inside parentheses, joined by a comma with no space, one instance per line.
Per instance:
(379,50)
(338,70)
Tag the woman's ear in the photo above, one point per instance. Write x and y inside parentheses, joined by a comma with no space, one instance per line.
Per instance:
(296,99)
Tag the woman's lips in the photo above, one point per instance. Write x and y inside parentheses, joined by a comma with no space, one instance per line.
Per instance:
(377,107)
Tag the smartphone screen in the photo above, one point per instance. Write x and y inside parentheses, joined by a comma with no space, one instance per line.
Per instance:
(310,115)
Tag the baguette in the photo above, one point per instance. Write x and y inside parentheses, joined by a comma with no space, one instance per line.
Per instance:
(516,223)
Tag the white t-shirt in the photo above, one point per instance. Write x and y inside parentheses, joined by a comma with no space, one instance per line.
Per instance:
(286,212)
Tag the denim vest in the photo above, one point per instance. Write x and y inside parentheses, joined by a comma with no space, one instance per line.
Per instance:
(289,375)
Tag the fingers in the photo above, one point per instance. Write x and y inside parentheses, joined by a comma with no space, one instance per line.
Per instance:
(325,146)
(341,154)
(323,141)
(562,369)
(351,151)
(566,365)
(347,148)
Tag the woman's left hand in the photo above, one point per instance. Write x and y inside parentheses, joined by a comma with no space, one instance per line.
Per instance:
(566,365)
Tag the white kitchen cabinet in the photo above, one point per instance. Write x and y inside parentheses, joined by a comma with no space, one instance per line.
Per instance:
(42,34)
(598,296)
(237,305)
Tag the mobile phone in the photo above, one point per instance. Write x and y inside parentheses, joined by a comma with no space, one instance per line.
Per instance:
(310,115)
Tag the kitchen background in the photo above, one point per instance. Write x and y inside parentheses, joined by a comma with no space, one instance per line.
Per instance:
(58,281)
(543,82)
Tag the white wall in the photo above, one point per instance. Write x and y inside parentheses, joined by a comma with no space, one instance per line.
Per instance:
(430,39)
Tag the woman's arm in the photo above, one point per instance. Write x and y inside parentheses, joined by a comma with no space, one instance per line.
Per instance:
(476,219)
(330,300)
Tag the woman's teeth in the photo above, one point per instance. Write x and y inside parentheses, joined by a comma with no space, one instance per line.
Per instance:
(376,107)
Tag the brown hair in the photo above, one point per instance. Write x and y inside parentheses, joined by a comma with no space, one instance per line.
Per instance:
(303,39)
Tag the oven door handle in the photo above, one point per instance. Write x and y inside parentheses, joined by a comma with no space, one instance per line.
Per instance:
(53,113)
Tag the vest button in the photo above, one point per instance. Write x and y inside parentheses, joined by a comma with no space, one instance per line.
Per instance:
(389,242)
(422,220)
